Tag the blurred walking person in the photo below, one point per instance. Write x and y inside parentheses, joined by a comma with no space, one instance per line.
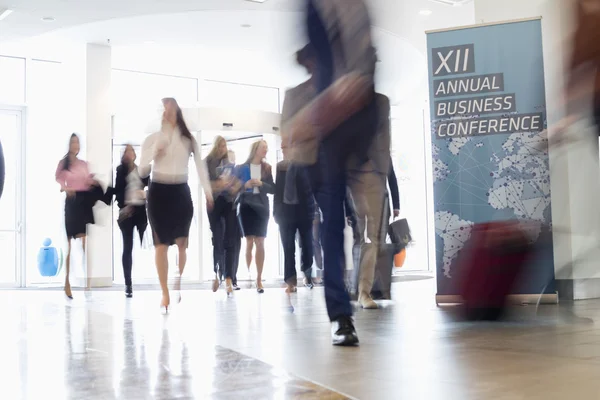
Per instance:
(165,155)
(82,191)
(295,217)
(131,200)
(222,217)
(257,180)
(340,122)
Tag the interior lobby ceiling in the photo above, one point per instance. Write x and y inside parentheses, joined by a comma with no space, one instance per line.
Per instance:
(233,40)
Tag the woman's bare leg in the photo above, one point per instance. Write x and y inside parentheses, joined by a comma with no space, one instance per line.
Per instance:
(68,292)
(260,260)
(88,280)
(182,244)
(249,248)
(162,268)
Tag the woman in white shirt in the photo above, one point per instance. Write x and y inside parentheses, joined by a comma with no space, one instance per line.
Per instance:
(170,210)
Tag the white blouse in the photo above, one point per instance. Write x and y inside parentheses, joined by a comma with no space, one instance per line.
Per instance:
(171,167)
(255,173)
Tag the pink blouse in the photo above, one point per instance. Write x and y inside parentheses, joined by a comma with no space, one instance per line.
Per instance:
(77,178)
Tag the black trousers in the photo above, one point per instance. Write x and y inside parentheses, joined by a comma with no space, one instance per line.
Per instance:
(288,230)
(139,220)
(225,234)
(237,247)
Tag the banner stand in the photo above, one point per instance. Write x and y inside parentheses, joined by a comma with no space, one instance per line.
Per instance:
(446,300)
(489,148)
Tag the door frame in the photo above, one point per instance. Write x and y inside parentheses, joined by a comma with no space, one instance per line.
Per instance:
(21,223)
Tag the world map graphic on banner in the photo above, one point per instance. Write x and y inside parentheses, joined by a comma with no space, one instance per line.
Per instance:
(514,182)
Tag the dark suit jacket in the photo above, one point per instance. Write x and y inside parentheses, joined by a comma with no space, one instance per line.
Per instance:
(305,209)
(268,185)
(121,185)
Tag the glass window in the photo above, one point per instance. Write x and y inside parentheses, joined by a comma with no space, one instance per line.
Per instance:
(137,98)
(235,95)
(12,80)
(408,158)
(48,133)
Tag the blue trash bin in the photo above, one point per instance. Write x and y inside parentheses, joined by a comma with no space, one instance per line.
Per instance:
(48,262)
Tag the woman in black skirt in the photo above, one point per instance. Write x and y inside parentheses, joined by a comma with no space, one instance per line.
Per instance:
(75,180)
(257,179)
(131,199)
(170,210)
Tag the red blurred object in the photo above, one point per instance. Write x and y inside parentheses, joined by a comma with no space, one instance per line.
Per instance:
(490,265)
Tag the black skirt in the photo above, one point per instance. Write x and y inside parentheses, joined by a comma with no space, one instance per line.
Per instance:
(170,212)
(253,223)
(78,214)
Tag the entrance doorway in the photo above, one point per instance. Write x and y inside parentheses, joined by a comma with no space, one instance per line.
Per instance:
(11,204)
(240,143)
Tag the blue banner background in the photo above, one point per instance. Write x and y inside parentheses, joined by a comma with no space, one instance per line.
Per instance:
(498,176)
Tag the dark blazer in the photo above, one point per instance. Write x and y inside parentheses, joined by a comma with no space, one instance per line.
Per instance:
(268,185)
(305,209)
(121,185)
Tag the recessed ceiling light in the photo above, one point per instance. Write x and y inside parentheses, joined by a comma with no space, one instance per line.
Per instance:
(257,1)
(4,12)
(246,26)
(48,19)
(425,12)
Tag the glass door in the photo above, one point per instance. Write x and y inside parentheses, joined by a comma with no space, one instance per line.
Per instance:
(11,210)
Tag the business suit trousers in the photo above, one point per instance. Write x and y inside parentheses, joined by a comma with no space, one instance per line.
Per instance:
(225,234)
(288,230)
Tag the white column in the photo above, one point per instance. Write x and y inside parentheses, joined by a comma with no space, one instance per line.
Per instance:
(99,155)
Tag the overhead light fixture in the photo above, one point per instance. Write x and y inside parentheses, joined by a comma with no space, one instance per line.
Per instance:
(246,26)
(149,42)
(48,19)
(256,1)
(425,12)
(4,12)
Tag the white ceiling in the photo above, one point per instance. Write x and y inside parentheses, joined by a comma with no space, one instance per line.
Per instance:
(205,38)
(26,21)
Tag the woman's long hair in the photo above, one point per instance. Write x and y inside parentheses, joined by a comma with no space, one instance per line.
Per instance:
(185,132)
(254,150)
(127,147)
(213,155)
(66,165)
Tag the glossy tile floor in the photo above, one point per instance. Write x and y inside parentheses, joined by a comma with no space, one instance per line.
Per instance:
(103,346)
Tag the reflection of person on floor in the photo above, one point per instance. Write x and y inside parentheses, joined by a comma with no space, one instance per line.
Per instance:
(294,216)
(82,192)
(222,218)
(368,186)
(170,209)
(131,200)
(257,179)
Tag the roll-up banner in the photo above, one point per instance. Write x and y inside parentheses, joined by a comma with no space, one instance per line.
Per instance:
(490,155)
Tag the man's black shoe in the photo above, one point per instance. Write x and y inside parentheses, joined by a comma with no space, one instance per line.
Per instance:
(129,291)
(343,332)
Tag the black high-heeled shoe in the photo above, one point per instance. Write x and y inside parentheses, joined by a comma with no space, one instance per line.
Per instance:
(128,291)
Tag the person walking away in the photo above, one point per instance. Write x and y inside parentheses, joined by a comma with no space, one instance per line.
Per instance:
(296,218)
(368,188)
(341,121)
